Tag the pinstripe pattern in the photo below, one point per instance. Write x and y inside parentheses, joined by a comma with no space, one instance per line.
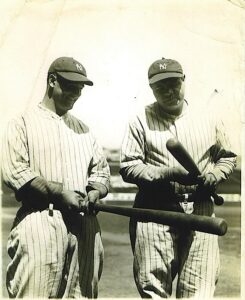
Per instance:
(27,270)
(60,149)
(52,257)
(161,252)
(201,267)
(36,267)
(157,261)
(147,134)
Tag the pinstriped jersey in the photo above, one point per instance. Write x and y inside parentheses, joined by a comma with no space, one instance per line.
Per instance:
(60,149)
(201,134)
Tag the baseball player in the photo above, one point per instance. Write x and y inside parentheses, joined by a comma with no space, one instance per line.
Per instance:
(161,252)
(57,169)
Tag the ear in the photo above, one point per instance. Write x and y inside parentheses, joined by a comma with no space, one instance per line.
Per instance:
(52,79)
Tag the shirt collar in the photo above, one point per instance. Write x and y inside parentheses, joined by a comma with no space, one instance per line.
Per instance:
(49,113)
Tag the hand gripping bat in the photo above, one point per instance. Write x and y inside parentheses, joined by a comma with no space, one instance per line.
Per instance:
(206,224)
(184,158)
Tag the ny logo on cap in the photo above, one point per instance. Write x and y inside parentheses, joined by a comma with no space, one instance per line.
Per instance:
(79,67)
(163,66)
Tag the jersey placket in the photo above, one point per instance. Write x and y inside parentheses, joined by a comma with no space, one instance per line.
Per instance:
(62,151)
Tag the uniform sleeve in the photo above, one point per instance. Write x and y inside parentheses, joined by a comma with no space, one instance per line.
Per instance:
(16,171)
(132,157)
(99,171)
(222,155)
(132,151)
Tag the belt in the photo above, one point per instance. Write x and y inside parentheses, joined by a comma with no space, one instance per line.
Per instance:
(187,197)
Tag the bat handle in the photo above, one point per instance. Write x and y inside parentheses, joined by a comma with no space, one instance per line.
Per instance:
(218,200)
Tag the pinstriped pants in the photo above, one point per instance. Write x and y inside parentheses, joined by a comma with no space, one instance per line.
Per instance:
(51,259)
(162,252)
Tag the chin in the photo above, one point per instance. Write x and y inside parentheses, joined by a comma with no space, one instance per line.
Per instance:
(69,107)
(173,109)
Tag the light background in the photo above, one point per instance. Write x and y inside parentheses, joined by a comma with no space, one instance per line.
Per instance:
(116,41)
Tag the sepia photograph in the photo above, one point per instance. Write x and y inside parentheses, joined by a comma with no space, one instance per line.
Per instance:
(122,147)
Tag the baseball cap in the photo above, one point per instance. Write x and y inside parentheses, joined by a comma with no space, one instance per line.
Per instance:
(70,69)
(164,68)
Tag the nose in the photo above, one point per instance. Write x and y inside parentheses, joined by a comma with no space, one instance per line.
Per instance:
(170,91)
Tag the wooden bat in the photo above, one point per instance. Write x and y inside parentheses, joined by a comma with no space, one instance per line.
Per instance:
(184,221)
(184,158)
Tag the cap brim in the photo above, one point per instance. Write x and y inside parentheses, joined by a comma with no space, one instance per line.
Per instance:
(162,76)
(75,77)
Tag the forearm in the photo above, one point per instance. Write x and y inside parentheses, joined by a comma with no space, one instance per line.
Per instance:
(223,168)
(141,174)
(98,172)
(100,187)
(222,154)
(39,192)
(147,174)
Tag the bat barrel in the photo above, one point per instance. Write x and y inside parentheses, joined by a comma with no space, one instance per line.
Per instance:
(206,224)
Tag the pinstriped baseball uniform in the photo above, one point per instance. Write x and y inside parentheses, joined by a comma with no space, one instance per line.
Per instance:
(160,251)
(51,257)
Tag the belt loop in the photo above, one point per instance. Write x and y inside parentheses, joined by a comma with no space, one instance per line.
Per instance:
(51,209)
(186,197)
(187,207)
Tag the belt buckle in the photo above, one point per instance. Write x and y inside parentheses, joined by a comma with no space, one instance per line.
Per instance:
(51,209)
(187,206)
(185,202)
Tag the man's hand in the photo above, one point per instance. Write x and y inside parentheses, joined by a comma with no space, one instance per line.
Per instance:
(154,174)
(71,201)
(207,182)
(177,174)
(180,175)
(93,197)
(86,202)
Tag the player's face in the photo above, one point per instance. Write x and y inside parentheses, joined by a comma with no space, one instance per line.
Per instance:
(65,94)
(169,93)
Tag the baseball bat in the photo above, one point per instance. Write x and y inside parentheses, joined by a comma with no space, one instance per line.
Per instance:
(213,225)
(183,157)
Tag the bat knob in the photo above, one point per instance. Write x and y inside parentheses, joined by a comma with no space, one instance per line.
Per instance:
(218,200)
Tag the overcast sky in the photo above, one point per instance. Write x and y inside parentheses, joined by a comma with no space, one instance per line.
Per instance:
(116,41)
